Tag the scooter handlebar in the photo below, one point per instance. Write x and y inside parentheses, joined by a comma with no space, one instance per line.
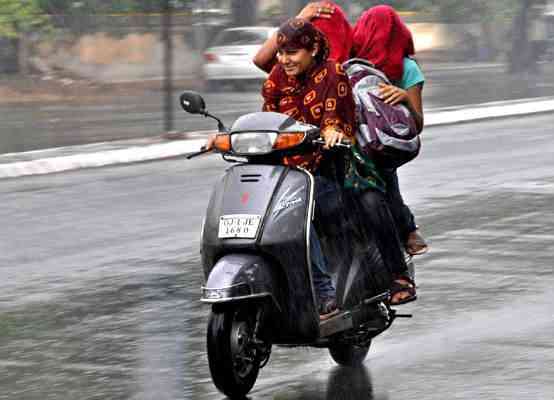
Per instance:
(203,150)
(345,143)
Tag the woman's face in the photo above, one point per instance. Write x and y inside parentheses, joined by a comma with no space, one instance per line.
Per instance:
(295,61)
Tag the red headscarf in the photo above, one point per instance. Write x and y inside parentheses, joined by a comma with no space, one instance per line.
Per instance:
(338,32)
(383,39)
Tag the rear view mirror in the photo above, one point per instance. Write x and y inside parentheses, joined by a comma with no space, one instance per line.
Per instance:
(192,103)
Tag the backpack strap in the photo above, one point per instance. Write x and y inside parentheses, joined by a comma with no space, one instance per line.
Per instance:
(360,65)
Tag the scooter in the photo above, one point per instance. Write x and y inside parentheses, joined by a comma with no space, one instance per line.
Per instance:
(256,256)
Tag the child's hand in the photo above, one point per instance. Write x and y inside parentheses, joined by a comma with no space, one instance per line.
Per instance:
(392,95)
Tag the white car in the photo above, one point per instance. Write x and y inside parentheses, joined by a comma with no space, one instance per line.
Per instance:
(229,59)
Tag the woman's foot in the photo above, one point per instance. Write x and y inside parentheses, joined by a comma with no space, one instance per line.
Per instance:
(403,290)
(416,244)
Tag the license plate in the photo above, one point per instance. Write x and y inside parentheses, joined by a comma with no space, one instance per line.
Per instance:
(239,226)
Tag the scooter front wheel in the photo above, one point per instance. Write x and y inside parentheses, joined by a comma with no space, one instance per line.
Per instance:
(348,354)
(234,364)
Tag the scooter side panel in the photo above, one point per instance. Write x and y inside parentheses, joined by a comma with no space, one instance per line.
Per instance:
(286,238)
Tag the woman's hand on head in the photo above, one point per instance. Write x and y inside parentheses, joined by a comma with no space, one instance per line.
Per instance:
(317,9)
(391,94)
(332,136)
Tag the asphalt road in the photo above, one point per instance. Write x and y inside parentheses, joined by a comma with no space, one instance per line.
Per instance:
(100,281)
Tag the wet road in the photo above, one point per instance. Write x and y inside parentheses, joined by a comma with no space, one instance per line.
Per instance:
(100,281)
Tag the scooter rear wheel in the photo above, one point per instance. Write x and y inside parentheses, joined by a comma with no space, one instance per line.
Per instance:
(348,354)
(233,363)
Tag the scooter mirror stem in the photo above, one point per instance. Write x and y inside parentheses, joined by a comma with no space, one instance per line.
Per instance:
(220,126)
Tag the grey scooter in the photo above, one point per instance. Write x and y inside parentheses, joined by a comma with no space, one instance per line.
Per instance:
(256,256)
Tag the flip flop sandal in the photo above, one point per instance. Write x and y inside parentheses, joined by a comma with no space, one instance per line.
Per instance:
(325,317)
(406,286)
(327,309)
(418,242)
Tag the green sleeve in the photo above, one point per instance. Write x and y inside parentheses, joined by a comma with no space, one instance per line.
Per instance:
(412,74)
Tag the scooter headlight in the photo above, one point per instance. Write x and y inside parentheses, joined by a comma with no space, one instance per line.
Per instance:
(252,143)
(246,143)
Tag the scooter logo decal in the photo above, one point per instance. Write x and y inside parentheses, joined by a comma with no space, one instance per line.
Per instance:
(288,200)
(245,197)
(283,204)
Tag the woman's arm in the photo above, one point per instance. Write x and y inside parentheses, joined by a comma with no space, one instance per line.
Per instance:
(415,104)
(411,98)
(265,57)
(338,119)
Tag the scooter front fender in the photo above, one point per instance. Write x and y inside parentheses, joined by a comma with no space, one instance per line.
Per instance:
(240,277)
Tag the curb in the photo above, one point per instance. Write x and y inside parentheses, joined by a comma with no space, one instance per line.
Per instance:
(497,109)
(174,144)
(127,155)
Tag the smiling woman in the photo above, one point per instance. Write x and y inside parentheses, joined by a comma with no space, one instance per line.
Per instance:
(308,87)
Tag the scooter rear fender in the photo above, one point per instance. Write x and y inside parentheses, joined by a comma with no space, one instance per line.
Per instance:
(241,277)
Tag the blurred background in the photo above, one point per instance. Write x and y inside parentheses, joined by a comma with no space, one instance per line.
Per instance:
(135,54)
(100,269)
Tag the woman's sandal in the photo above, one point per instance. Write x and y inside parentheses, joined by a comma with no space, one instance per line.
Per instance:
(402,284)
(327,309)
(416,244)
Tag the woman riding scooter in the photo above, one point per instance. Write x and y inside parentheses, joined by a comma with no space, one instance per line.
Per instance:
(309,88)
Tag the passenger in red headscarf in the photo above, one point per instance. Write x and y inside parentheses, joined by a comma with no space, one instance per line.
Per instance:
(382,38)
(326,16)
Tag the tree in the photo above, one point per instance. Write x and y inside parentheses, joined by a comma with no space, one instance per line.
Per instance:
(18,18)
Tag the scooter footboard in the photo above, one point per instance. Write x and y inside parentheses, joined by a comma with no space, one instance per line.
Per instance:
(238,277)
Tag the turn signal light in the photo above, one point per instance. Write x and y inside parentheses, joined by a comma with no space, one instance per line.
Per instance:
(223,142)
(288,140)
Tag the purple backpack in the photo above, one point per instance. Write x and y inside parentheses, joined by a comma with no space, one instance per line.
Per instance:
(386,133)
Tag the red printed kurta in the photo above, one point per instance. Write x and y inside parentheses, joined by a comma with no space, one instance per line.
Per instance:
(321,97)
